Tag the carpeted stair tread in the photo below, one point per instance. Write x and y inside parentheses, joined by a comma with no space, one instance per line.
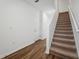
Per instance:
(67,53)
(63,43)
(63,46)
(64,40)
(65,28)
(64,31)
(65,35)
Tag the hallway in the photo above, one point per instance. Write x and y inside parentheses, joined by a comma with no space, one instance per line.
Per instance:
(39,29)
(62,46)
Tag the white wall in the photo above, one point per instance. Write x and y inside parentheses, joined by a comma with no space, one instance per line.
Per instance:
(49,23)
(48,12)
(19,25)
(52,17)
(23,22)
(63,5)
(74,15)
(75,9)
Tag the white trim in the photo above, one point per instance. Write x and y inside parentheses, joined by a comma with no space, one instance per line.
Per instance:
(49,40)
(6,54)
(75,23)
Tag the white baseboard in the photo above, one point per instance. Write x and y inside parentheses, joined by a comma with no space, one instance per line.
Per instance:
(75,29)
(6,54)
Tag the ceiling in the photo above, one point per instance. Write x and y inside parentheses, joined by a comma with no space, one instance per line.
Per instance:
(42,4)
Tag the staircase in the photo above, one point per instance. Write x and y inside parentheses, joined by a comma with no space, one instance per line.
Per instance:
(63,44)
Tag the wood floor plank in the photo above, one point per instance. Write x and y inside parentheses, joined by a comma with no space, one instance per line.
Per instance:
(30,52)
